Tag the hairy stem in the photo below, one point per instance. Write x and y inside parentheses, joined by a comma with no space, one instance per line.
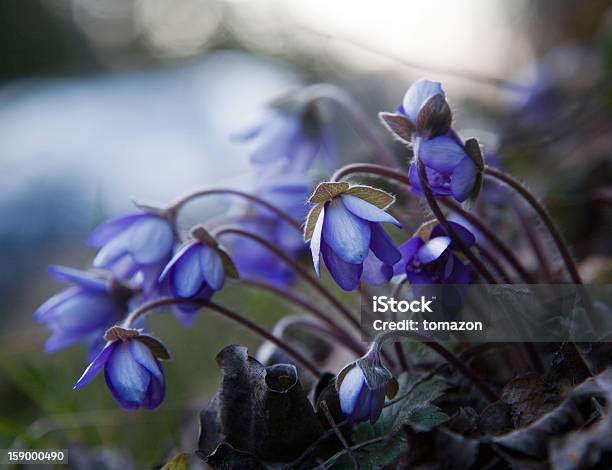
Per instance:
(468,373)
(312,281)
(232,315)
(539,209)
(344,336)
(178,204)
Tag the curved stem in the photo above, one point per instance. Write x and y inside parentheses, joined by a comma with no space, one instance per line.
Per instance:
(177,205)
(539,209)
(296,267)
(292,321)
(232,315)
(435,208)
(492,260)
(497,242)
(347,339)
(323,91)
(399,177)
(468,373)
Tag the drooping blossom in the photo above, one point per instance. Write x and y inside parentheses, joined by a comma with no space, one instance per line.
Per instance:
(196,271)
(132,369)
(344,228)
(362,387)
(135,246)
(291,137)
(84,311)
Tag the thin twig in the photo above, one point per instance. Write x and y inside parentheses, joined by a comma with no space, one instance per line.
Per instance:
(341,438)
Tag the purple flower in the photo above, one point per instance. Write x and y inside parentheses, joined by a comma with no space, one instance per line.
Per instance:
(196,271)
(450,170)
(362,386)
(132,370)
(423,120)
(82,312)
(433,261)
(290,138)
(135,246)
(425,106)
(344,227)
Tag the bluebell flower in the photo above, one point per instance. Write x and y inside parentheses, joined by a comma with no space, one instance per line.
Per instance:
(344,228)
(132,369)
(83,311)
(423,120)
(293,138)
(435,260)
(362,387)
(135,246)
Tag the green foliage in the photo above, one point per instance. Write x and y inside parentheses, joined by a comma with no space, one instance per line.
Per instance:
(413,406)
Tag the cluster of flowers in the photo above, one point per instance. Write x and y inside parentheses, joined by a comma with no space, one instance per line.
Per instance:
(141,257)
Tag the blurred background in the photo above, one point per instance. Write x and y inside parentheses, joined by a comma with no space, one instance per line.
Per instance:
(105,100)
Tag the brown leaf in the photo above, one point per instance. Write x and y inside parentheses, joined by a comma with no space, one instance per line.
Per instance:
(399,126)
(377,197)
(311,221)
(327,190)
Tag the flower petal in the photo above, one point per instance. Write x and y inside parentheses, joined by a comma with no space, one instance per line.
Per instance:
(442,153)
(82,278)
(143,355)
(151,239)
(187,277)
(347,234)
(417,95)
(345,274)
(350,389)
(367,211)
(315,242)
(376,272)
(110,229)
(463,233)
(96,365)
(463,179)
(212,267)
(127,380)
(407,251)
(382,245)
(433,249)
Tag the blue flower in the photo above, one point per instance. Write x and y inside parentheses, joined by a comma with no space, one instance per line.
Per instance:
(82,312)
(291,138)
(434,262)
(135,246)
(423,120)
(450,170)
(344,228)
(362,387)
(132,369)
(196,271)
(425,106)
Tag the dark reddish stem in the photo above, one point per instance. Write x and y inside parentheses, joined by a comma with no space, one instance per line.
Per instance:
(346,339)
(232,315)
(295,266)
(176,206)
(539,209)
